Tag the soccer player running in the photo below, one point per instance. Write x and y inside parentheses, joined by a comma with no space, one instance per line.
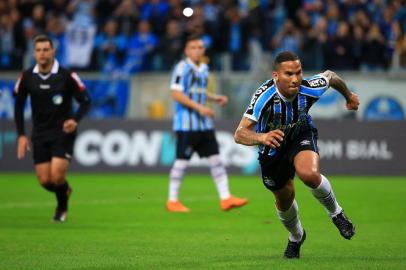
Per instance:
(277,120)
(51,89)
(194,127)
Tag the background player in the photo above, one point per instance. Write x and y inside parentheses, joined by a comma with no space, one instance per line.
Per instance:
(194,127)
(51,89)
(277,120)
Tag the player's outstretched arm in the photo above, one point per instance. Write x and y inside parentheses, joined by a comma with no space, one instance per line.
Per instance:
(246,135)
(186,101)
(337,83)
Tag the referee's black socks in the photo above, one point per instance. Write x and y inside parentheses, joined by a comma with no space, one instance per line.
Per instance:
(62,196)
(49,186)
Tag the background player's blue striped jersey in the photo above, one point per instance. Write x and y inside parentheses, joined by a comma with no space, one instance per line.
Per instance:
(272,111)
(192,81)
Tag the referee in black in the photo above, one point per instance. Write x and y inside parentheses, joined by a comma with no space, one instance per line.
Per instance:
(51,89)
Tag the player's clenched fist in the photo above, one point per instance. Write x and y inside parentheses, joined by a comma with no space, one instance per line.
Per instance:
(353,102)
(272,138)
(69,126)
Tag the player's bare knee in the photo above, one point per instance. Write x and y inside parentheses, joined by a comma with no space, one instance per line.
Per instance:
(44,178)
(310,178)
(57,177)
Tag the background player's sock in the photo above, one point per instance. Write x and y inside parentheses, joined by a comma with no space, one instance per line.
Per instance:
(325,195)
(176,177)
(290,219)
(62,196)
(219,174)
(49,186)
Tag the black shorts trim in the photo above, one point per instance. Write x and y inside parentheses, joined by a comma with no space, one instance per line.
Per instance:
(202,142)
(277,170)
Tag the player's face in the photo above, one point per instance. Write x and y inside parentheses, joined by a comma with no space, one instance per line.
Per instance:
(195,50)
(288,77)
(43,53)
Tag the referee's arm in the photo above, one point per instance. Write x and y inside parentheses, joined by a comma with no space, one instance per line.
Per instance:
(83,99)
(20,95)
(81,96)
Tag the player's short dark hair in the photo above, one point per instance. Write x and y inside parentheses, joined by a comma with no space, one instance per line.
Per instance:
(193,37)
(284,57)
(43,38)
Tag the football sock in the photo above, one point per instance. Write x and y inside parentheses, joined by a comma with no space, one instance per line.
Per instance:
(290,219)
(49,186)
(325,195)
(176,177)
(219,174)
(61,195)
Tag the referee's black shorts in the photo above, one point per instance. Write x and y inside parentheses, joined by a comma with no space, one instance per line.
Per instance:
(52,144)
(277,170)
(202,142)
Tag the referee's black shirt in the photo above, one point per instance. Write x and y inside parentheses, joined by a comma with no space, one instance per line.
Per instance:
(51,99)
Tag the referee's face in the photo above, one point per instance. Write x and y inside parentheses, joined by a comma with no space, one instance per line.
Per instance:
(43,53)
(288,77)
(195,50)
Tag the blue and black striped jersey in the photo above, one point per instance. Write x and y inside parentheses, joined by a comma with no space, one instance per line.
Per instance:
(270,110)
(192,81)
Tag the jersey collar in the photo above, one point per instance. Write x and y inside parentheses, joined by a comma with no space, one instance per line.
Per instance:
(281,95)
(54,70)
(198,68)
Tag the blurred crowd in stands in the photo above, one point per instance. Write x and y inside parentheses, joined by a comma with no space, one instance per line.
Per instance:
(142,35)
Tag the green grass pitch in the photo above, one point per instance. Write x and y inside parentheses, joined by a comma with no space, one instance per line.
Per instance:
(118,221)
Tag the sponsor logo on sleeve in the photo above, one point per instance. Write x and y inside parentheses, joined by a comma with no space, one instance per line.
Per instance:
(318,82)
(256,96)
